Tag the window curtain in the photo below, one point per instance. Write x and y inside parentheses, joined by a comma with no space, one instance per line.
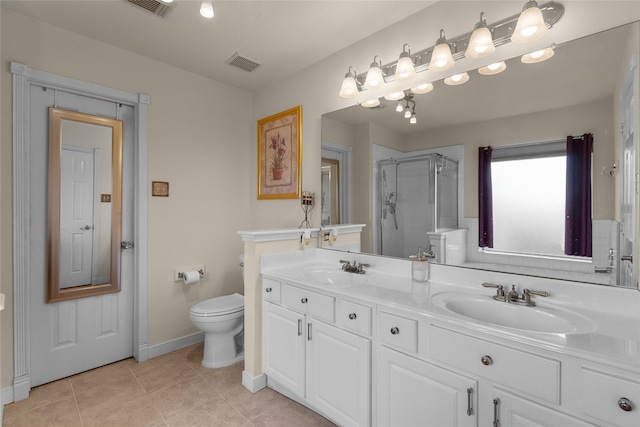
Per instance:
(577,237)
(485,198)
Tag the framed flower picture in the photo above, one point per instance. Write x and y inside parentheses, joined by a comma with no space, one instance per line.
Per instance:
(280,155)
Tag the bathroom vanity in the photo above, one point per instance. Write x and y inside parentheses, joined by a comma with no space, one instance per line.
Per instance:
(380,349)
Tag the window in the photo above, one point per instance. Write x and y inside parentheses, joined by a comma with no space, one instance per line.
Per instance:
(524,178)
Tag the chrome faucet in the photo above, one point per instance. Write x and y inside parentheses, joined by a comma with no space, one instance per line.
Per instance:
(355,267)
(512,296)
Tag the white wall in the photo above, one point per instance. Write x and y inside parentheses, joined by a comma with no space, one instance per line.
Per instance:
(196,125)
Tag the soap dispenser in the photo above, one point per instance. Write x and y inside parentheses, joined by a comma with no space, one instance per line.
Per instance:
(420,266)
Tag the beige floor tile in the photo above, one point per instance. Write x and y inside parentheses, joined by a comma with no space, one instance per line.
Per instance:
(109,396)
(161,372)
(251,405)
(223,379)
(290,414)
(138,413)
(101,376)
(63,413)
(214,413)
(42,395)
(182,397)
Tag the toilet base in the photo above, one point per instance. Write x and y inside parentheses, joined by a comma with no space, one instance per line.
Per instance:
(223,352)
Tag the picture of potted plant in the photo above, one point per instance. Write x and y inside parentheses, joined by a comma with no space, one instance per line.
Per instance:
(278,149)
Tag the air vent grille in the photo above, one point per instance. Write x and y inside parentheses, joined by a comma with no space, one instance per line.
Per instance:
(242,61)
(153,6)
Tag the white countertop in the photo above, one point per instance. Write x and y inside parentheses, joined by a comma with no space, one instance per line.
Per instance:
(615,311)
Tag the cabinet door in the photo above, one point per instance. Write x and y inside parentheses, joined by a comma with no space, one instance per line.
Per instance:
(284,347)
(514,411)
(339,374)
(415,393)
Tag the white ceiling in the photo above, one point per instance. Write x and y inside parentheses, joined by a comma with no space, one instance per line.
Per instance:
(285,36)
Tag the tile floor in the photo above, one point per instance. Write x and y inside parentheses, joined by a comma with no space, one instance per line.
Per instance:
(169,390)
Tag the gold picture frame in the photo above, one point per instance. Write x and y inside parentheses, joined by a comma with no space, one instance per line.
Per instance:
(280,155)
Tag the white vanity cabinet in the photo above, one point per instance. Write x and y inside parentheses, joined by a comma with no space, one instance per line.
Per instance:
(316,359)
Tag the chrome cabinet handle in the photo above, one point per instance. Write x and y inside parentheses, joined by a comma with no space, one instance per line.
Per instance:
(625,404)
(308,331)
(352,316)
(469,404)
(299,327)
(496,421)
(268,290)
(303,300)
(486,360)
(395,331)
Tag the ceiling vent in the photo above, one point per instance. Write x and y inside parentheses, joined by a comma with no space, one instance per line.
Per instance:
(156,7)
(241,60)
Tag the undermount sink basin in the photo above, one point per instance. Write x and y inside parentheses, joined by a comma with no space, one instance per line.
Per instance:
(334,277)
(533,319)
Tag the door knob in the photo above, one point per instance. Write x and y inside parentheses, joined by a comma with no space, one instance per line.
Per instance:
(86,227)
(126,244)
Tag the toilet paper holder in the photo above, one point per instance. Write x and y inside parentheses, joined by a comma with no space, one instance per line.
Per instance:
(181,274)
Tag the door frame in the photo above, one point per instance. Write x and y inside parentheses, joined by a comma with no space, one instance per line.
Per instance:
(23,78)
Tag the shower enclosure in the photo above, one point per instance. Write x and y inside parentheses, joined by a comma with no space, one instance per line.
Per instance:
(416,195)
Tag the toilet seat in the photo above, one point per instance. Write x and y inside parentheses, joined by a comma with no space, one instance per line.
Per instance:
(219,306)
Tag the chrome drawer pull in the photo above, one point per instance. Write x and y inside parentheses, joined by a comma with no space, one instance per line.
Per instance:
(486,360)
(308,331)
(625,404)
(352,316)
(395,331)
(268,290)
(496,421)
(303,300)
(469,405)
(299,327)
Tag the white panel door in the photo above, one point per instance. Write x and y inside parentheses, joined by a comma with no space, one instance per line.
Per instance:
(73,336)
(76,217)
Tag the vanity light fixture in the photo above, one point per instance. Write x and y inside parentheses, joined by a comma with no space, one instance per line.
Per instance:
(457,79)
(206,9)
(413,119)
(531,25)
(408,105)
(441,58)
(407,112)
(371,103)
(491,69)
(538,55)
(445,53)
(399,107)
(375,78)
(349,87)
(423,88)
(481,42)
(404,68)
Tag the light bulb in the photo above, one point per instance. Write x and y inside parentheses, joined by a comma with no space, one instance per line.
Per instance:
(349,87)
(399,107)
(413,119)
(371,103)
(495,68)
(407,113)
(375,79)
(404,68)
(394,96)
(423,88)
(481,41)
(530,25)
(441,58)
(457,79)
(206,9)
(538,55)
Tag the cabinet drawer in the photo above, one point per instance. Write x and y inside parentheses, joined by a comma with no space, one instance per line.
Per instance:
(398,332)
(528,373)
(353,316)
(270,290)
(601,394)
(318,305)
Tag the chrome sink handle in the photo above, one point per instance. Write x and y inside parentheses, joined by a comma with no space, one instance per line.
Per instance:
(526,296)
(499,296)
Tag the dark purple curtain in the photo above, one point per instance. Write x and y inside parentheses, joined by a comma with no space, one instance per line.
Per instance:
(485,198)
(577,235)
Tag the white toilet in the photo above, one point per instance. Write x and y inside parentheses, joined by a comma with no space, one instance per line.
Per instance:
(222,321)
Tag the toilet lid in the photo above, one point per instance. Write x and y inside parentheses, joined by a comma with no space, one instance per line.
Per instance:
(219,306)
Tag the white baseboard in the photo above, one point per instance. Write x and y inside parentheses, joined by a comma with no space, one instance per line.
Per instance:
(173,345)
(254,384)
(7,396)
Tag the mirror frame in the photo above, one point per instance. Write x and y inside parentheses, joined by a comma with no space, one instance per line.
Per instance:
(54,292)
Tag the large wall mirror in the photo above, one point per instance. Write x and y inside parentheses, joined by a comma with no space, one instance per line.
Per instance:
(576,91)
(84,205)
